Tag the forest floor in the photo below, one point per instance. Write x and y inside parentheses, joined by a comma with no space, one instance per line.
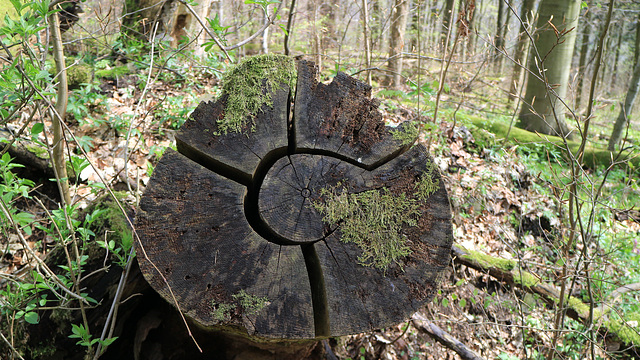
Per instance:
(496,198)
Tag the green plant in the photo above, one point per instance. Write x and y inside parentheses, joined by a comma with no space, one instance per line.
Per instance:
(174,111)
(83,102)
(85,339)
(220,31)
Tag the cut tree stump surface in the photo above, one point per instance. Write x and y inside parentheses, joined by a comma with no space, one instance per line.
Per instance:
(236,224)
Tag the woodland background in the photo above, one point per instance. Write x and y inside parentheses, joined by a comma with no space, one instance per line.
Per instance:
(93,91)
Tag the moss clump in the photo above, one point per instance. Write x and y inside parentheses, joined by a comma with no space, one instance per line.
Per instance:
(488,261)
(222,312)
(372,220)
(243,86)
(593,157)
(113,73)
(627,334)
(250,305)
(78,75)
(37,150)
(407,134)
(426,186)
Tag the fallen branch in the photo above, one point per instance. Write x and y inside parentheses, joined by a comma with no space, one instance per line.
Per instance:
(509,271)
(423,324)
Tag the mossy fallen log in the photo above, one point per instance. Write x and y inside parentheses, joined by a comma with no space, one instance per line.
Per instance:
(593,157)
(618,334)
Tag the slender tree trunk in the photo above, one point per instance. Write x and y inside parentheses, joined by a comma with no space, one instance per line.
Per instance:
(614,72)
(58,145)
(623,118)
(471,37)
(287,34)
(447,18)
(522,48)
(551,61)
(636,55)
(399,16)
(367,40)
(498,39)
(582,63)
(265,37)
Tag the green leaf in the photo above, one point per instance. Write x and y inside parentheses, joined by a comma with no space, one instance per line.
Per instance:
(17,5)
(463,303)
(109,341)
(77,330)
(32,318)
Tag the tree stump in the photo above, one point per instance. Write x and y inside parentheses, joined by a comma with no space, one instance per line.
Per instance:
(311,221)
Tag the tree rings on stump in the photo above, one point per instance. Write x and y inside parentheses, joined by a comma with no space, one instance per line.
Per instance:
(317,220)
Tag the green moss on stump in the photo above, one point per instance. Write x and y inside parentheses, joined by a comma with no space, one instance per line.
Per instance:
(249,304)
(408,134)
(244,87)
(374,219)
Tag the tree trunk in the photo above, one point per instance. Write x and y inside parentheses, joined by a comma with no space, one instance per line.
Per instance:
(447,18)
(265,36)
(183,25)
(289,32)
(636,54)
(62,97)
(243,228)
(623,118)
(543,110)
(522,48)
(399,16)
(616,58)
(367,38)
(498,39)
(471,36)
(582,63)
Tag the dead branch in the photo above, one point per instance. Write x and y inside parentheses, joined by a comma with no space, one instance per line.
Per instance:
(423,324)
(509,271)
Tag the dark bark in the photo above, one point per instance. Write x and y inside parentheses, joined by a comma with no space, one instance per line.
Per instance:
(287,34)
(498,38)
(231,214)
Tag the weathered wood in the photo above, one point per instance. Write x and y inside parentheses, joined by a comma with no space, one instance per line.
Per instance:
(444,338)
(238,225)
(340,118)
